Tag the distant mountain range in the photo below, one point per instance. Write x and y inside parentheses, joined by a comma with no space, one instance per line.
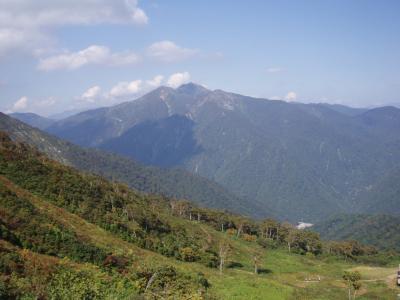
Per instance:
(380,231)
(169,182)
(300,161)
(33,119)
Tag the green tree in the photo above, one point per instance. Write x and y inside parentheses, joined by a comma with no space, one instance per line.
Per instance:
(352,280)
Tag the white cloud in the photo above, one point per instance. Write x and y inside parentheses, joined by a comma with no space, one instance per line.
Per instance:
(126,88)
(291,96)
(99,55)
(165,51)
(20,105)
(274,70)
(46,102)
(25,24)
(168,51)
(177,79)
(24,104)
(25,13)
(155,82)
(137,87)
(91,94)
(140,17)
(14,38)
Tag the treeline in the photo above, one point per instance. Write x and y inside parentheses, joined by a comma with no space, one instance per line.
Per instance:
(381,231)
(270,233)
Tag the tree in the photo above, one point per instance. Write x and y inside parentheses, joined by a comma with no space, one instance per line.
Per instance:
(269,228)
(352,280)
(291,238)
(223,253)
(188,254)
(256,256)
(309,241)
(180,208)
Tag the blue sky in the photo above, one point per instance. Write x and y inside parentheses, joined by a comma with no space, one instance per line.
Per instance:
(70,54)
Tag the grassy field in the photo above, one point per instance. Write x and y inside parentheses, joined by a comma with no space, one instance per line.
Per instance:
(282,275)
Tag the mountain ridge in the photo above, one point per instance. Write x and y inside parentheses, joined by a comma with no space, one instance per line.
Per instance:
(170,182)
(302,161)
(34,120)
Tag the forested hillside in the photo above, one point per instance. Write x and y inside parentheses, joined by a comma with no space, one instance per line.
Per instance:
(383,196)
(69,235)
(169,182)
(300,161)
(380,231)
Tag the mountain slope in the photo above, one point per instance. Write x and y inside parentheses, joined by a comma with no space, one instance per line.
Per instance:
(350,111)
(70,235)
(166,142)
(381,231)
(384,195)
(301,161)
(170,182)
(33,120)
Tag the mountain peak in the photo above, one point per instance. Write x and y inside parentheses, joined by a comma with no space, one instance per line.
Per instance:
(191,88)
(162,92)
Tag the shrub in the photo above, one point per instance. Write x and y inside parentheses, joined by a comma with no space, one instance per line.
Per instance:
(231,231)
(249,237)
(188,254)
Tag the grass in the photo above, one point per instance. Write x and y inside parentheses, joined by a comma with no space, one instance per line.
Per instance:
(283,275)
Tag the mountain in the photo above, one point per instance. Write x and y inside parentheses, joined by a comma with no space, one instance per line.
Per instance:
(169,182)
(383,196)
(65,114)
(71,235)
(350,111)
(167,142)
(383,121)
(381,231)
(301,161)
(33,119)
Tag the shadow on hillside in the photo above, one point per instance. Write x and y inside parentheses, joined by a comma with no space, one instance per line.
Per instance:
(264,271)
(235,265)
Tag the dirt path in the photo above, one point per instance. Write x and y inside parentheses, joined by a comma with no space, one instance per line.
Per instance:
(371,274)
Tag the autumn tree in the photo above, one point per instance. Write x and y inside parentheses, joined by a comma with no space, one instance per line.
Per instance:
(352,280)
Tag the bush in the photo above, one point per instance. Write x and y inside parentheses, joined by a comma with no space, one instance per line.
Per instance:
(209,258)
(268,243)
(231,231)
(249,237)
(188,254)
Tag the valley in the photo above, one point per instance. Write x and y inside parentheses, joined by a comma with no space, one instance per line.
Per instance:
(124,240)
(296,162)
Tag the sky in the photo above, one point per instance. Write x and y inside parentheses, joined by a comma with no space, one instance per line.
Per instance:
(61,55)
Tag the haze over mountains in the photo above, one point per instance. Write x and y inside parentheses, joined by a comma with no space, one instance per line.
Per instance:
(33,119)
(301,161)
(175,183)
